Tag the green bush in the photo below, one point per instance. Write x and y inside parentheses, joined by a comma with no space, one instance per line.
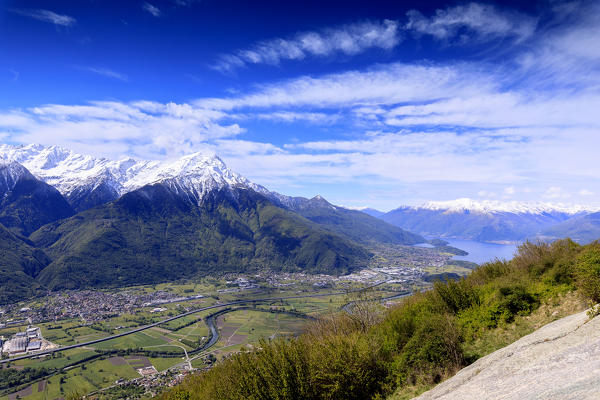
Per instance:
(432,353)
(588,272)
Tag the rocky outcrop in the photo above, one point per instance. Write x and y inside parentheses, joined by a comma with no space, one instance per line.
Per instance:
(559,361)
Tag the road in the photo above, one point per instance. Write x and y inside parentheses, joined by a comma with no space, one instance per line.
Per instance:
(142,328)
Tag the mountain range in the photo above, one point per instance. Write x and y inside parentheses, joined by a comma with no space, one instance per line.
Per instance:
(495,221)
(73,221)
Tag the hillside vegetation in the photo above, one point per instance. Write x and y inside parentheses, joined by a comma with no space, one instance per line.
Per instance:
(153,235)
(415,345)
(20,263)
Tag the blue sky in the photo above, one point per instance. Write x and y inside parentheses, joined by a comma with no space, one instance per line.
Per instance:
(366,103)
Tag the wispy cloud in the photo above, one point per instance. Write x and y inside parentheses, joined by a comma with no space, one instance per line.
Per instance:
(46,16)
(15,74)
(145,128)
(109,73)
(385,84)
(153,10)
(185,3)
(525,127)
(473,21)
(348,40)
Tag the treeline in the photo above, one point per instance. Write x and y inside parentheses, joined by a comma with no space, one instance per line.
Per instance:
(412,346)
(13,377)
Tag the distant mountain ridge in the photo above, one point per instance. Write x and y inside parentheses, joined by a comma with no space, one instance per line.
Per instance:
(115,223)
(353,224)
(82,177)
(492,221)
(515,207)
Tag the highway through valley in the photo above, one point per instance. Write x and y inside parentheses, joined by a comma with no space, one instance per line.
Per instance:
(144,327)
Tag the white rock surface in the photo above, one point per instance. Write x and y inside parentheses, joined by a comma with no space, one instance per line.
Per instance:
(557,362)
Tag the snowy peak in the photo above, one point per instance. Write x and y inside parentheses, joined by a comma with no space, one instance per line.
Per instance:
(493,206)
(11,172)
(194,170)
(74,174)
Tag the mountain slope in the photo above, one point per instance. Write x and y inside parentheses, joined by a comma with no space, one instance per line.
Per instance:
(87,182)
(20,264)
(582,228)
(156,234)
(353,224)
(27,203)
(371,211)
(481,221)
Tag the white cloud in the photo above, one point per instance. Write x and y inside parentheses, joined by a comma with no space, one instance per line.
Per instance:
(290,117)
(146,129)
(381,85)
(556,192)
(109,73)
(153,10)
(47,16)
(525,127)
(485,193)
(349,40)
(473,21)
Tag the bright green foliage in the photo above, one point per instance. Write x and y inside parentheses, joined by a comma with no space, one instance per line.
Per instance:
(588,272)
(416,345)
(331,367)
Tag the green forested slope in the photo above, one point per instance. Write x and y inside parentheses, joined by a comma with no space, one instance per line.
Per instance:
(153,235)
(20,264)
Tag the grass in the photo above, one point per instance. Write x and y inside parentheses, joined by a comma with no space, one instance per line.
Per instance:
(448,268)
(133,341)
(162,364)
(96,375)
(68,357)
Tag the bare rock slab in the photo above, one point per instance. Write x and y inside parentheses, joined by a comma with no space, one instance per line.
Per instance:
(558,361)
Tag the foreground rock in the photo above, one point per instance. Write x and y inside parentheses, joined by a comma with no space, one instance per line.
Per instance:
(559,361)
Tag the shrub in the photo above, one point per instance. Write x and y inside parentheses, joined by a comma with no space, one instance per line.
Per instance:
(587,271)
(432,353)
(516,301)
(457,295)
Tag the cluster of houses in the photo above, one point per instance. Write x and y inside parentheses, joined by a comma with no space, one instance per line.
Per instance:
(23,342)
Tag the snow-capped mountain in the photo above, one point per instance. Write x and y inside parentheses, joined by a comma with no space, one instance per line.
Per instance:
(87,181)
(10,174)
(515,207)
(491,221)
(26,203)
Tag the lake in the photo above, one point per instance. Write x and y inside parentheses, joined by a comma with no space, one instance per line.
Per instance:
(480,252)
